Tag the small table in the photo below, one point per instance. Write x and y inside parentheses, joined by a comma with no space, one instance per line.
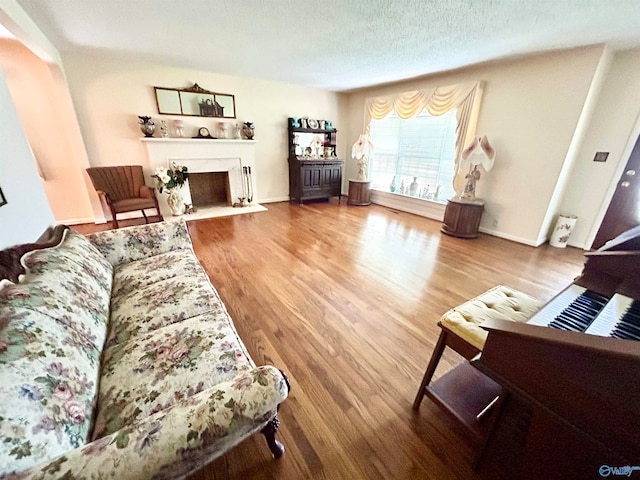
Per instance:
(359,192)
(462,217)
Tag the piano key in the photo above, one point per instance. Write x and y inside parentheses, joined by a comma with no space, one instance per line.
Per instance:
(610,315)
(579,314)
(579,321)
(567,325)
(552,309)
(627,324)
(627,330)
(624,335)
(564,320)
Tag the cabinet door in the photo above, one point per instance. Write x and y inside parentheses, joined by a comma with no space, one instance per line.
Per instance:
(311,178)
(333,179)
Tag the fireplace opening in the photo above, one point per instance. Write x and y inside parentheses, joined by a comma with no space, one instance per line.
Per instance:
(210,189)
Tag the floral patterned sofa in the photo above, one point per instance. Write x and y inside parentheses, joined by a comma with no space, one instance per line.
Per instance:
(119,360)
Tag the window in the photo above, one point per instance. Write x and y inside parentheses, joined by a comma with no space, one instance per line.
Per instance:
(421,149)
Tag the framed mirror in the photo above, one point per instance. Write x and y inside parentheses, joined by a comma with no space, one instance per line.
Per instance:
(194,102)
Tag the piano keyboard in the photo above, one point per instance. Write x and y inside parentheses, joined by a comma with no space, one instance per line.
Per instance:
(580,310)
(620,318)
(629,326)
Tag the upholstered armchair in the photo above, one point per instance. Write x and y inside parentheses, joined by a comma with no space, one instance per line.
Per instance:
(124,190)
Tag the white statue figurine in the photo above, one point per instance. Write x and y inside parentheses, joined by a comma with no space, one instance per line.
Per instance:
(164,131)
(361,151)
(472,178)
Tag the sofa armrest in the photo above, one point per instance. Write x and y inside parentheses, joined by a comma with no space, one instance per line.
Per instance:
(174,442)
(128,244)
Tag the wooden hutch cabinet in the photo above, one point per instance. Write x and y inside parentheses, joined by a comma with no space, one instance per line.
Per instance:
(315,172)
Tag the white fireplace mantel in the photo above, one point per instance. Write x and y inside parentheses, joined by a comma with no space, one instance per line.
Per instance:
(206,155)
(195,140)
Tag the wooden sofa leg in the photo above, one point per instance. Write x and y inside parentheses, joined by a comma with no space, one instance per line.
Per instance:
(270,429)
(431,368)
(269,432)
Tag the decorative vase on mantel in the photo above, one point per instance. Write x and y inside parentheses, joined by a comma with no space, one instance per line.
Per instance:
(146,125)
(249,130)
(175,201)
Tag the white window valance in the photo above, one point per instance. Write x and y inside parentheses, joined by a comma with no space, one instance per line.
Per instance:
(465,97)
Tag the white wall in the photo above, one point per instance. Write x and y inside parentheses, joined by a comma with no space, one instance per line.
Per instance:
(47,117)
(564,183)
(529,112)
(611,130)
(34,75)
(109,94)
(27,214)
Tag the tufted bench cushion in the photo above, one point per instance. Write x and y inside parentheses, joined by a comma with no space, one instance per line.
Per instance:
(498,302)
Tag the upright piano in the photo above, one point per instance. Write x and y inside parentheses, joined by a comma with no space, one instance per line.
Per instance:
(571,375)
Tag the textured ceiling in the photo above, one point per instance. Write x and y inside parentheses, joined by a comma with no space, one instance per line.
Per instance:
(333,44)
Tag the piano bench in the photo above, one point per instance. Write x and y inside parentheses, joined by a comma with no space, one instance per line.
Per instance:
(460,326)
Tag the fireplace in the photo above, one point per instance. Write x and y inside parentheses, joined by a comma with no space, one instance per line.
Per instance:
(229,158)
(232,167)
(209,189)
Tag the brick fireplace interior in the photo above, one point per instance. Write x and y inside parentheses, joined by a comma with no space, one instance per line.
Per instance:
(210,189)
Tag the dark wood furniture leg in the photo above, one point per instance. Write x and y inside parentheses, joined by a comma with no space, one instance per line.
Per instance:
(271,428)
(269,432)
(431,368)
(113,214)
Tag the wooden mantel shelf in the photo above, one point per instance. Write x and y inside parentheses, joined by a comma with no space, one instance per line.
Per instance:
(189,140)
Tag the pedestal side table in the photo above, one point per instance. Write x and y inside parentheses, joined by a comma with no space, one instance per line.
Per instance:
(359,192)
(462,217)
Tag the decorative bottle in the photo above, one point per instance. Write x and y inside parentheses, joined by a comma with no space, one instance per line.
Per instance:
(392,187)
(413,188)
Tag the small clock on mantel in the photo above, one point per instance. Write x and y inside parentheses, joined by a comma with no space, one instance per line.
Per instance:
(203,132)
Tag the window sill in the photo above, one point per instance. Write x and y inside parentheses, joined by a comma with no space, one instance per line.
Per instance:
(418,206)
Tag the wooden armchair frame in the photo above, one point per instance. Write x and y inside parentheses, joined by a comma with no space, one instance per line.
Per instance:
(123,190)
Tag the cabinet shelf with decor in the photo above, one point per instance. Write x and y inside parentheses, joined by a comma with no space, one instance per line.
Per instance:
(315,172)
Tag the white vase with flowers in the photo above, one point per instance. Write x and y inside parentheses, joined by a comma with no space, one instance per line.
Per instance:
(172,179)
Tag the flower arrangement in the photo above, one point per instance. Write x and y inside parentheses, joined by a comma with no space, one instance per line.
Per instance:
(172,177)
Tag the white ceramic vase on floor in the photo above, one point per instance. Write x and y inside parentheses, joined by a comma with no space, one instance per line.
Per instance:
(175,201)
(562,231)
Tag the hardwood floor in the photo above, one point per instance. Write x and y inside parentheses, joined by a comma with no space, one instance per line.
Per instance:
(346,301)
